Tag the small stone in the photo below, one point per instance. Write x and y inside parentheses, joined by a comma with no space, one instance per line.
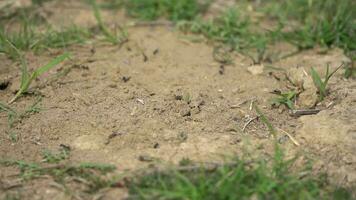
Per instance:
(308,98)
(297,76)
(178,97)
(15,85)
(125,78)
(195,110)
(185,113)
(231,129)
(156,145)
(256,69)
(146,158)
(112,85)
(182,136)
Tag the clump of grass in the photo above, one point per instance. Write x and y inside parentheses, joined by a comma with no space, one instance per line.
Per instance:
(174,10)
(350,72)
(51,157)
(234,31)
(63,38)
(286,98)
(13,196)
(91,173)
(108,4)
(112,4)
(327,23)
(112,37)
(13,137)
(22,14)
(25,39)
(265,120)
(227,29)
(39,2)
(240,181)
(11,113)
(321,84)
(350,69)
(223,55)
(27,78)
(14,116)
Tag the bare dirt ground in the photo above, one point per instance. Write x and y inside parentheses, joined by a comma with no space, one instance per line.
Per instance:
(165,98)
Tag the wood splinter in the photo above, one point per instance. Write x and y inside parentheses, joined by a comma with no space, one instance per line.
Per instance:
(301,112)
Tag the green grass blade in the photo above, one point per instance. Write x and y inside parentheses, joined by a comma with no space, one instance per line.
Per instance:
(24,87)
(11,113)
(6,108)
(289,104)
(318,83)
(24,71)
(328,76)
(96,10)
(52,64)
(264,119)
(109,36)
(16,53)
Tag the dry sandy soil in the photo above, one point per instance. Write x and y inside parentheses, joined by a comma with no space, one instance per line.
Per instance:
(166,98)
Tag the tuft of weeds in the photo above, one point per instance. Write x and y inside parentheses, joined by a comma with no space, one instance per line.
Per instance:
(111,4)
(14,116)
(112,37)
(174,10)
(22,15)
(39,2)
(51,157)
(13,137)
(15,196)
(91,173)
(239,181)
(327,23)
(350,72)
(235,31)
(32,109)
(284,98)
(187,98)
(25,39)
(350,69)
(11,113)
(265,120)
(63,38)
(321,84)
(27,78)
(108,4)
(227,29)
(222,55)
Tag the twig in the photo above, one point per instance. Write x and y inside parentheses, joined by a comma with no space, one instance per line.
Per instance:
(239,104)
(247,123)
(251,104)
(111,136)
(291,137)
(11,185)
(305,73)
(298,113)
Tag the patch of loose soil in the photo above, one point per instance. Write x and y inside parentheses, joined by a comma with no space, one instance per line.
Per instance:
(165,98)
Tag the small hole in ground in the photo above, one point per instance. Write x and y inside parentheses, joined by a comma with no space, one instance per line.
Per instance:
(4,85)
